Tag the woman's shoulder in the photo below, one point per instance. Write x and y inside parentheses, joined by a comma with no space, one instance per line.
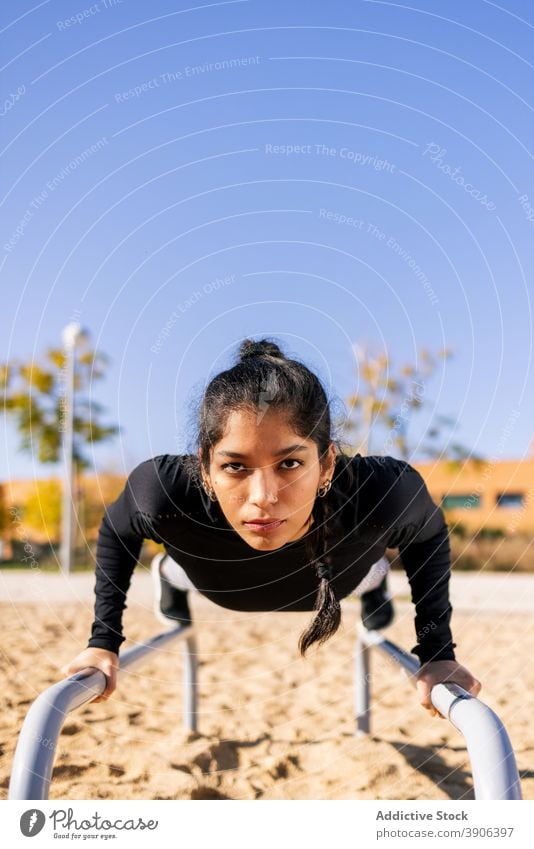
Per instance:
(384,467)
(164,484)
(384,488)
(373,470)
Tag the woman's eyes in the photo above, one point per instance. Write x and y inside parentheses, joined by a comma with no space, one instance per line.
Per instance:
(226,466)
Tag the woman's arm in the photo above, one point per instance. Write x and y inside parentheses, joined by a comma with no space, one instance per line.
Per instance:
(422,538)
(406,518)
(119,543)
(425,553)
(122,531)
(126,523)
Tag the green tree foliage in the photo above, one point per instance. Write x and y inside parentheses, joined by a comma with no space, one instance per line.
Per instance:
(34,398)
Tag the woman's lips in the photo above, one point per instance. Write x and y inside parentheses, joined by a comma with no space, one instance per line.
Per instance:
(259,527)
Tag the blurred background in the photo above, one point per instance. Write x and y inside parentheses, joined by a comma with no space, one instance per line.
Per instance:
(353,180)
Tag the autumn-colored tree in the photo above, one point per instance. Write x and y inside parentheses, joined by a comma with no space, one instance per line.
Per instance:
(34,399)
(5,522)
(388,400)
(41,510)
(4,519)
(94,496)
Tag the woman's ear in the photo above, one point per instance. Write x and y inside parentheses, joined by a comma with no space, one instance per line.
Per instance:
(331,458)
(203,474)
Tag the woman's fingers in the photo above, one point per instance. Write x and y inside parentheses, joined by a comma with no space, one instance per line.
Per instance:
(464,679)
(424,693)
(475,687)
(111,680)
(438,672)
(101,659)
(111,684)
(424,688)
(110,687)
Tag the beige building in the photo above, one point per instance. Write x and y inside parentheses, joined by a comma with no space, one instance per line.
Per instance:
(490,494)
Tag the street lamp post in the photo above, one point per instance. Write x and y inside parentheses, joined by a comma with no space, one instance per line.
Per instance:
(72,333)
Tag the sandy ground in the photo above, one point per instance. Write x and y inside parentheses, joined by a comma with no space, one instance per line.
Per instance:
(272,725)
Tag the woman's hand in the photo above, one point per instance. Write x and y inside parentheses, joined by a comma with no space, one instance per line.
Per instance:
(439,672)
(106,661)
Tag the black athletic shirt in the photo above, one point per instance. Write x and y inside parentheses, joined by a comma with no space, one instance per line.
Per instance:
(387,506)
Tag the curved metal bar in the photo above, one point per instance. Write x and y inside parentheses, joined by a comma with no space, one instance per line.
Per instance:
(493,765)
(36,748)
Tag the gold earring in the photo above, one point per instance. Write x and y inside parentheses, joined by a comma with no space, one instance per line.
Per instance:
(324,488)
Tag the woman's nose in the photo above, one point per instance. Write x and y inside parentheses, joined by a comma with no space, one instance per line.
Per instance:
(263,489)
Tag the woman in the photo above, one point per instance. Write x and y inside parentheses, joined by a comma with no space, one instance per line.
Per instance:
(266,514)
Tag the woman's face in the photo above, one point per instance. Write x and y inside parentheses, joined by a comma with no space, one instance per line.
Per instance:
(256,477)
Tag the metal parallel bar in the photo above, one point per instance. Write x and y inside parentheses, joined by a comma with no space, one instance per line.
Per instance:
(492,758)
(190,683)
(36,748)
(493,764)
(362,677)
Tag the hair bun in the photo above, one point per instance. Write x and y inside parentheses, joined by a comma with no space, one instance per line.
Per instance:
(249,349)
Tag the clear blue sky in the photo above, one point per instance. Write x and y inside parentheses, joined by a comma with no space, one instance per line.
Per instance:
(148,152)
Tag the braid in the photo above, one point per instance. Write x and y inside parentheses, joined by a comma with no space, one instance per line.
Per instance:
(327,605)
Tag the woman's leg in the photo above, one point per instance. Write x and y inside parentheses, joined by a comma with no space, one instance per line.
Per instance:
(377,608)
(174,573)
(171,586)
(374,577)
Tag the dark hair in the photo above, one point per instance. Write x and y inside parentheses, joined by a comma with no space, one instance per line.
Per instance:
(263,377)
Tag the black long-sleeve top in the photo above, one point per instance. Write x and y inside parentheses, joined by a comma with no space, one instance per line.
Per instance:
(387,505)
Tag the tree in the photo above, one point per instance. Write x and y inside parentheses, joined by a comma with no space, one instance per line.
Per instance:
(34,398)
(5,544)
(4,521)
(42,509)
(388,400)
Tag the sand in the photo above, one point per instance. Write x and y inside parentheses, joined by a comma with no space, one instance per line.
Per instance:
(272,725)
